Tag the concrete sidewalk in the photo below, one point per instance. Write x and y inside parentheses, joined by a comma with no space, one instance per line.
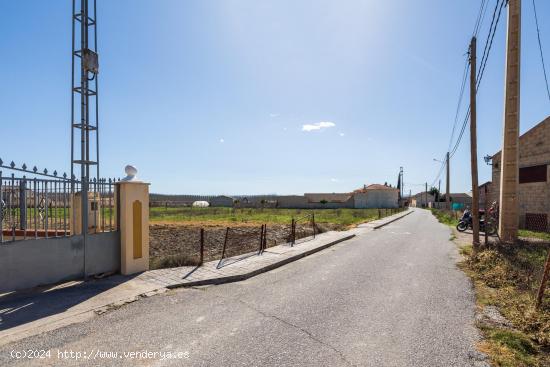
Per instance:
(27,313)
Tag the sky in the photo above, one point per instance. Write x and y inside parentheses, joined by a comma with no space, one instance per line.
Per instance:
(264,97)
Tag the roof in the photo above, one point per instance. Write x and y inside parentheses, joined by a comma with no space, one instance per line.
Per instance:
(375,187)
(331,198)
(461,195)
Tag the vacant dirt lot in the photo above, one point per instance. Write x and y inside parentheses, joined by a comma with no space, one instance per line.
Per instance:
(178,244)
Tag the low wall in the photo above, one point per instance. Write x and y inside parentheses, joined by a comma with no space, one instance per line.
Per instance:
(29,263)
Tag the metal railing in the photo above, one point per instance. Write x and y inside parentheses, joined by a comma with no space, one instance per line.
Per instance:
(40,205)
(247,241)
(302,229)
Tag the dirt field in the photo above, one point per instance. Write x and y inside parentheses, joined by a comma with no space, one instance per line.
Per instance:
(178,244)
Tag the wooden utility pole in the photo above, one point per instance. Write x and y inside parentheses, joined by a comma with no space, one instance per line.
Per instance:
(509,174)
(473,142)
(448,195)
(438,192)
(426,194)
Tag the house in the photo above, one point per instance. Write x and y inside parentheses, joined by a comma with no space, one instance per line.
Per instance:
(460,200)
(221,201)
(329,201)
(484,194)
(376,196)
(534,188)
(422,200)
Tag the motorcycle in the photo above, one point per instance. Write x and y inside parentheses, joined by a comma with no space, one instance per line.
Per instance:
(466,222)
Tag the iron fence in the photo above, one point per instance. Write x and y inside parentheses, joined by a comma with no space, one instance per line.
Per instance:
(42,205)
(248,241)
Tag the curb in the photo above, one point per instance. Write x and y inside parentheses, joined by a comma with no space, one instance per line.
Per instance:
(393,220)
(240,277)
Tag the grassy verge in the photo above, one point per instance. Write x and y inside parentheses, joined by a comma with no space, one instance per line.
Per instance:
(445,217)
(507,277)
(340,217)
(531,234)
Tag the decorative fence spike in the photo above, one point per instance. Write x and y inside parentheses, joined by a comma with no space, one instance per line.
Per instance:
(45,171)
(35,169)
(55,173)
(12,164)
(1,162)
(24,166)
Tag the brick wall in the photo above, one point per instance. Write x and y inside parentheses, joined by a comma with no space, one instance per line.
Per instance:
(534,150)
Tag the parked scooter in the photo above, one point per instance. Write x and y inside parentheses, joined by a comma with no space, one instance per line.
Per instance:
(466,222)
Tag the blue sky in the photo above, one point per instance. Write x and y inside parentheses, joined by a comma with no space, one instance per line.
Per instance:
(251,97)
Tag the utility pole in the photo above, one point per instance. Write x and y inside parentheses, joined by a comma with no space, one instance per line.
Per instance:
(448,195)
(509,174)
(473,142)
(426,194)
(84,115)
(439,191)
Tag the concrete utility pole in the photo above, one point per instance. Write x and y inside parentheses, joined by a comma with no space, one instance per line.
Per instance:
(473,142)
(509,174)
(448,195)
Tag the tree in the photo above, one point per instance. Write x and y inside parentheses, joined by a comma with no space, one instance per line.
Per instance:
(435,193)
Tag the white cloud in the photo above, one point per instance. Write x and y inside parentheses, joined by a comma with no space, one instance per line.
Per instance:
(318,126)
(334,180)
(342,134)
(222,140)
(273,115)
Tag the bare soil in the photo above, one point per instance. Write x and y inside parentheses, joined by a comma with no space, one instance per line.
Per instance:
(178,244)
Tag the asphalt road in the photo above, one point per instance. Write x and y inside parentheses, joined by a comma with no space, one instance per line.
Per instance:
(390,297)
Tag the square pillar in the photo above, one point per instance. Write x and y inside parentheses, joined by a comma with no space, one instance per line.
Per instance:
(94,213)
(133,207)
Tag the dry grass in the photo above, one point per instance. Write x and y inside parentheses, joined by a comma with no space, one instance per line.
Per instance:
(507,277)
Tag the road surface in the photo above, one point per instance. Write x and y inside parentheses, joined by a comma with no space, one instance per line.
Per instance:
(390,297)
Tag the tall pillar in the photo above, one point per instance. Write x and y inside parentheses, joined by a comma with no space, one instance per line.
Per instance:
(509,178)
(133,206)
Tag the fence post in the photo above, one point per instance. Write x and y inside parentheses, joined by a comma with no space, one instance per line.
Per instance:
(313,223)
(265,238)
(379,214)
(261,240)
(23,204)
(223,250)
(292,232)
(202,246)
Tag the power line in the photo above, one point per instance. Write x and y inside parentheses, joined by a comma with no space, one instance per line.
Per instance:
(461,95)
(489,41)
(497,12)
(480,18)
(540,48)
(487,50)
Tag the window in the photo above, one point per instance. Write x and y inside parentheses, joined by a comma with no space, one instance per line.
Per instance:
(532,174)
